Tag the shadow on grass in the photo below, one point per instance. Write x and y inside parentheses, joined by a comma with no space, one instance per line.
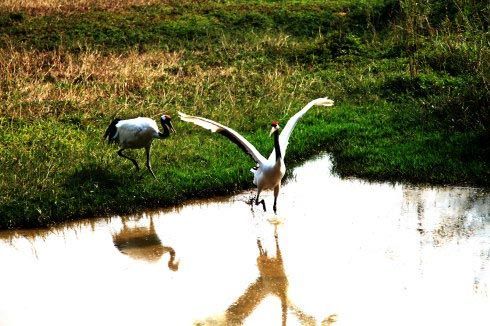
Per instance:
(93,178)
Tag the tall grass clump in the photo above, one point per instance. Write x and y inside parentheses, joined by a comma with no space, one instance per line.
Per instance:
(451,39)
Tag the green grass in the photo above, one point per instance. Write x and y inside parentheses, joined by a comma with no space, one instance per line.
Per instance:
(64,77)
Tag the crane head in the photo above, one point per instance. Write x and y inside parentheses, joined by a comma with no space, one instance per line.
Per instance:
(166,120)
(275,127)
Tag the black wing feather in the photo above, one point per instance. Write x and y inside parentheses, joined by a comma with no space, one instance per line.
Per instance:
(232,138)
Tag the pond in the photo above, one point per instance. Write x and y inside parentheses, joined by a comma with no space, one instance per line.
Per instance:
(338,252)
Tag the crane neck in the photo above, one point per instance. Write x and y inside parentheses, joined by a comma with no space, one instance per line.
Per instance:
(166,131)
(277,148)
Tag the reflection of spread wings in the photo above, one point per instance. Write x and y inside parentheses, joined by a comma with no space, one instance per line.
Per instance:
(272,280)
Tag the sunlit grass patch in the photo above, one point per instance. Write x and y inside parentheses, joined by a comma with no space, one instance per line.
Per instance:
(45,7)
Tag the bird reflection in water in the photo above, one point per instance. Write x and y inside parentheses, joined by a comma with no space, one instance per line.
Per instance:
(271,281)
(143,243)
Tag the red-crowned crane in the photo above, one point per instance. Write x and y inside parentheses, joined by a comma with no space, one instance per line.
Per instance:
(269,172)
(137,133)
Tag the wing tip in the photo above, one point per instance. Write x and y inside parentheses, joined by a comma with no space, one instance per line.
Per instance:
(324,101)
(185,117)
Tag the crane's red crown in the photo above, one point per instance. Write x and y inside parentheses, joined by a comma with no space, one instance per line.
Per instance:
(275,123)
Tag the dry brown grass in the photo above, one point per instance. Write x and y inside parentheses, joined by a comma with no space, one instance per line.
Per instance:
(41,7)
(29,76)
(37,84)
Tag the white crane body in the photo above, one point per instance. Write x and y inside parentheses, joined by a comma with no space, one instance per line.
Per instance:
(137,133)
(268,173)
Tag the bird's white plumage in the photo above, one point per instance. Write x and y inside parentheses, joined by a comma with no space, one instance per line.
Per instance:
(214,126)
(288,128)
(269,172)
(136,133)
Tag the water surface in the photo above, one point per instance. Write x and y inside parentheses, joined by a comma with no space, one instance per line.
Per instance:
(339,252)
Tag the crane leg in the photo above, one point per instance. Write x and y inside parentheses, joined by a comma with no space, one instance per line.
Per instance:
(257,201)
(276,194)
(148,164)
(259,245)
(120,153)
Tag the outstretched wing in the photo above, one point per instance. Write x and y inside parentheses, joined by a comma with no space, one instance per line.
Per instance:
(288,128)
(229,133)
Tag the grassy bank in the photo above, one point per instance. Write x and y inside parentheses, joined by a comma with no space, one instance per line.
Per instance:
(410,87)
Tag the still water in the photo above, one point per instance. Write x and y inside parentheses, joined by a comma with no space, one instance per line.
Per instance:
(339,252)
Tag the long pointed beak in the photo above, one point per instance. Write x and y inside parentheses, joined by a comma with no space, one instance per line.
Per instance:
(276,128)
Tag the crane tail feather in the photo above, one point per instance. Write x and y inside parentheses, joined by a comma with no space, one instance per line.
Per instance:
(111,131)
